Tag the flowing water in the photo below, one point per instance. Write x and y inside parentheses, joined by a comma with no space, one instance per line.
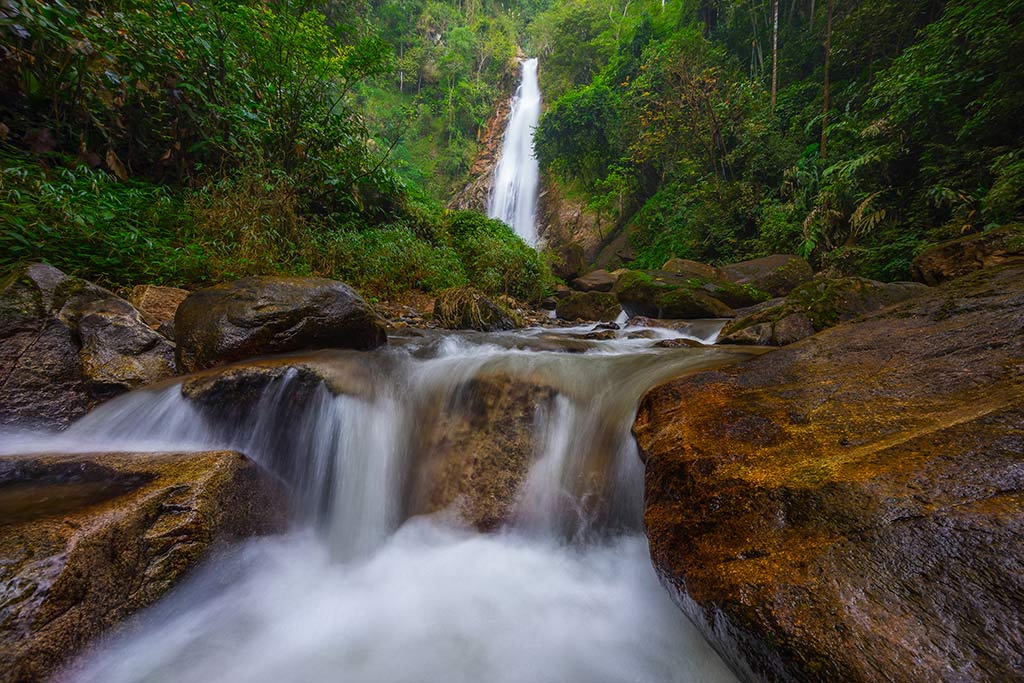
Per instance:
(514,194)
(363,589)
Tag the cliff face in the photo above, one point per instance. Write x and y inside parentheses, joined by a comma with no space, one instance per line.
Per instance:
(477,192)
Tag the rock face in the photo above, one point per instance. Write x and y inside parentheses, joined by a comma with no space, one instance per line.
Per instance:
(961,256)
(477,450)
(589,306)
(848,508)
(595,281)
(658,294)
(777,274)
(65,344)
(156,304)
(466,308)
(815,306)
(85,540)
(263,315)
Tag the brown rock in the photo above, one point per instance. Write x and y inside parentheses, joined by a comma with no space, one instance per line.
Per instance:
(777,274)
(65,344)
(263,315)
(687,268)
(85,540)
(157,304)
(477,450)
(595,281)
(849,508)
(657,294)
(959,257)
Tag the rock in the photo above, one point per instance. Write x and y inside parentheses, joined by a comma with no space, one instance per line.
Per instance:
(157,304)
(687,268)
(777,275)
(466,308)
(848,508)
(606,326)
(679,344)
(549,303)
(589,306)
(656,294)
(119,352)
(959,257)
(475,452)
(815,306)
(595,281)
(54,353)
(263,315)
(89,539)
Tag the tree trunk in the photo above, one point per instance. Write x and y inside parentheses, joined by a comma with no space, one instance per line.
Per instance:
(775,54)
(828,58)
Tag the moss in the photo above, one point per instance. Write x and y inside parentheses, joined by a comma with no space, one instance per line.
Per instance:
(466,308)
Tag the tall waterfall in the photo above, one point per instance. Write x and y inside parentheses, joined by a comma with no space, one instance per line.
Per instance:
(363,589)
(514,194)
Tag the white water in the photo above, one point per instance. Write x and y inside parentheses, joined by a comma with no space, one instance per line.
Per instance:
(514,194)
(360,590)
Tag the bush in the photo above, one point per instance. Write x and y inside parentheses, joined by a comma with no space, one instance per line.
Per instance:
(89,223)
(496,260)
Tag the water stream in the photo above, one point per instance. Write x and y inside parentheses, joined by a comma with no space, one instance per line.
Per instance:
(514,194)
(362,588)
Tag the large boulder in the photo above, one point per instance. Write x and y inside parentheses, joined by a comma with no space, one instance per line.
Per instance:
(256,316)
(476,449)
(688,268)
(848,508)
(589,306)
(959,257)
(89,539)
(467,308)
(658,294)
(66,344)
(595,281)
(815,306)
(777,274)
(157,304)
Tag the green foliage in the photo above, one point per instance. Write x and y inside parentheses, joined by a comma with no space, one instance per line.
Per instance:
(497,260)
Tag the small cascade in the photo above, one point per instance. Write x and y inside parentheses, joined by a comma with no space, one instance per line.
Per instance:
(516,177)
(364,588)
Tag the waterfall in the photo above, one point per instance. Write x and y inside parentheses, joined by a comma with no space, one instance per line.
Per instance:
(363,588)
(514,194)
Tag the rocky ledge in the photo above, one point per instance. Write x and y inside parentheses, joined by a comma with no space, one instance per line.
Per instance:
(87,539)
(849,508)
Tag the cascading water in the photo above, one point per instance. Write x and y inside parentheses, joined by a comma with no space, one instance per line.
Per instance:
(364,590)
(514,194)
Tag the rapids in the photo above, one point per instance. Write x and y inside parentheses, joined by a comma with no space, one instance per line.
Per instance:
(360,589)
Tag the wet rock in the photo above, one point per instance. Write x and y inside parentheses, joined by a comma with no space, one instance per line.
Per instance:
(466,308)
(118,351)
(657,294)
(157,304)
(777,274)
(679,344)
(86,540)
(476,451)
(848,508)
(815,306)
(54,358)
(263,315)
(589,306)
(549,303)
(606,326)
(687,268)
(959,257)
(595,281)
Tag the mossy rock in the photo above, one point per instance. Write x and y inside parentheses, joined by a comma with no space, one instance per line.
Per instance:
(467,308)
(956,258)
(658,294)
(777,274)
(589,306)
